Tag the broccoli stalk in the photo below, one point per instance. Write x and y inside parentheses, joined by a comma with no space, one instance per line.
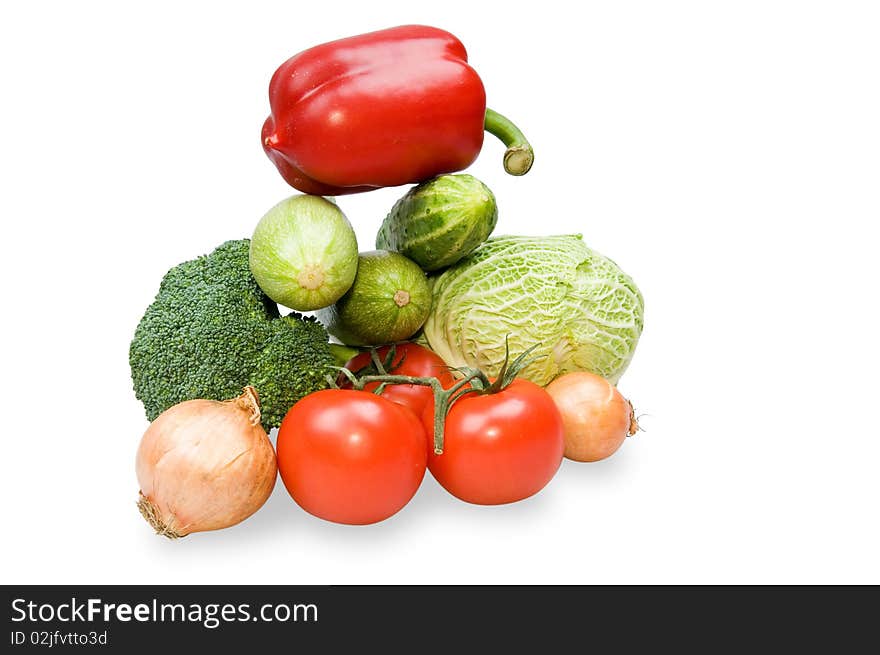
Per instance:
(211,331)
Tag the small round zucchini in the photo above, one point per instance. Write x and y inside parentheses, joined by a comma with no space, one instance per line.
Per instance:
(388,302)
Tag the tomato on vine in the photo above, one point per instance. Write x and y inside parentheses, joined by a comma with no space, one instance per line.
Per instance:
(351,456)
(488,441)
(499,446)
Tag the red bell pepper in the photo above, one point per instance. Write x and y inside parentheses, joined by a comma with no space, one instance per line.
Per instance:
(387,108)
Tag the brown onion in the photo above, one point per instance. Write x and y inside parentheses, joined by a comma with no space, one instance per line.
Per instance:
(205,465)
(596,419)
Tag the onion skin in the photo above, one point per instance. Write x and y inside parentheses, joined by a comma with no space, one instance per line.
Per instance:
(596,418)
(205,465)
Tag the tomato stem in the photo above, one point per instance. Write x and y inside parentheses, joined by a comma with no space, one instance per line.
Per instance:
(473,381)
(506,375)
(443,398)
(377,363)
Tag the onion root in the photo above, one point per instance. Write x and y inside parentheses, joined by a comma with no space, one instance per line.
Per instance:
(151,513)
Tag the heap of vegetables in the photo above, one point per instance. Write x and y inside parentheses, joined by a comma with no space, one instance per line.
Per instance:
(484,360)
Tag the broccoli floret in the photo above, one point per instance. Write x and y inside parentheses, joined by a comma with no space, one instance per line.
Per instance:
(211,331)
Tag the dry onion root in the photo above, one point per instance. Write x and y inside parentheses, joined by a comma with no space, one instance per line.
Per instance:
(205,465)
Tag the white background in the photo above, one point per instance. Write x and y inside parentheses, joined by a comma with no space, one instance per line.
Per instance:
(725,154)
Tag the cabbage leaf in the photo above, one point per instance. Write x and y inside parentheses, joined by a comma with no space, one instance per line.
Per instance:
(585,313)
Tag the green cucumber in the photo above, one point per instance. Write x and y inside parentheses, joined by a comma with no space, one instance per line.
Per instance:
(388,302)
(440,221)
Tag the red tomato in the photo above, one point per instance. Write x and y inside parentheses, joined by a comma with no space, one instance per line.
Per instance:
(498,448)
(417,362)
(350,456)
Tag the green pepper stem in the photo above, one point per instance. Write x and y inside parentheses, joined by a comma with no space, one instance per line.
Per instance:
(519,156)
